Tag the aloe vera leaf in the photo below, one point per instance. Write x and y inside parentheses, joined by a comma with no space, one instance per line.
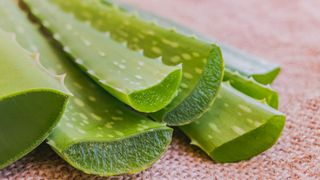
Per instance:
(252,88)
(223,133)
(253,70)
(145,84)
(235,60)
(202,63)
(243,71)
(87,10)
(237,127)
(97,134)
(26,118)
(225,110)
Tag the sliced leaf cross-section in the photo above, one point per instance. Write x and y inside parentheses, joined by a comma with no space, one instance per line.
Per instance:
(26,117)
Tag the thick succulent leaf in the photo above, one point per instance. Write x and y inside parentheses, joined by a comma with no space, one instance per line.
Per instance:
(26,117)
(237,127)
(235,60)
(202,63)
(244,71)
(97,134)
(227,112)
(145,84)
(252,88)
(249,66)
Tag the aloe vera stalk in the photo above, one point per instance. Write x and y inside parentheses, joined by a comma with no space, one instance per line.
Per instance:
(241,123)
(202,63)
(235,60)
(252,88)
(225,110)
(237,127)
(227,133)
(26,117)
(145,84)
(97,134)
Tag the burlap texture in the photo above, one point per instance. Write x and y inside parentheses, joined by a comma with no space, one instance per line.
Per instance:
(284,31)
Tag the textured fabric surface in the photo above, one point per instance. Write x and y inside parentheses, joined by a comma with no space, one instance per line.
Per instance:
(284,31)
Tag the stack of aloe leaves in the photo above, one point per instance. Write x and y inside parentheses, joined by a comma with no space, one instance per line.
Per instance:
(127,81)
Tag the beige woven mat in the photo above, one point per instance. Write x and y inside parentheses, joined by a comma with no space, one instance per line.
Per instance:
(284,31)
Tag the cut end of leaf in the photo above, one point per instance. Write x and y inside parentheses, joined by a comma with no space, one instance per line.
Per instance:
(122,156)
(252,88)
(31,101)
(250,144)
(237,127)
(26,121)
(155,98)
(203,95)
(267,78)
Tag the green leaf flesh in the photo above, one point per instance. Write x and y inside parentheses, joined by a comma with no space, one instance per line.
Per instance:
(202,63)
(26,119)
(97,134)
(145,84)
(237,127)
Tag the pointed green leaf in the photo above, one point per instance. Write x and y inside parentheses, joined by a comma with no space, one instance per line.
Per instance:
(225,110)
(145,84)
(26,116)
(118,22)
(97,134)
(202,63)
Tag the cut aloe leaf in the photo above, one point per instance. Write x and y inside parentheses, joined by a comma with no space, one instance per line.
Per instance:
(237,127)
(202,63)
(244,71)
(224,134)
(118,22)
(145,84)
(227,121)
(235,60)
(252,88)
(97,134)
(26,117)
